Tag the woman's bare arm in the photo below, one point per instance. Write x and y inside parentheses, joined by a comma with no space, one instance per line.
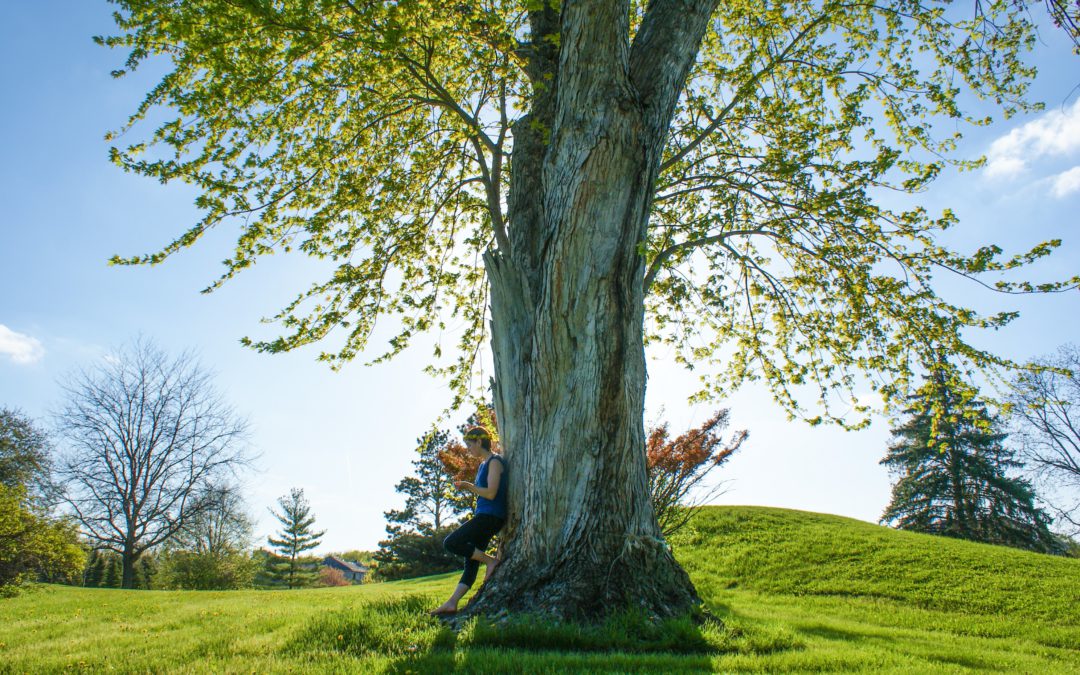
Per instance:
(495,470)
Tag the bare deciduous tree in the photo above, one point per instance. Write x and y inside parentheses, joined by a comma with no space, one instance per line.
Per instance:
(1047,415)
(220,526)
(145,435)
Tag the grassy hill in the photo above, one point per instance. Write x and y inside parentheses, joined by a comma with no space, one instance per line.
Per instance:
(795,592)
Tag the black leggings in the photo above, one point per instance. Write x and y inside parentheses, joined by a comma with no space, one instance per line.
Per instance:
(473,535)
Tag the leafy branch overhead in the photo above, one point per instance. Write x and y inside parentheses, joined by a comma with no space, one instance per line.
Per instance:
(377,137)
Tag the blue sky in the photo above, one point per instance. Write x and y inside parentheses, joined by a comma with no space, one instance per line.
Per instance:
(347,437)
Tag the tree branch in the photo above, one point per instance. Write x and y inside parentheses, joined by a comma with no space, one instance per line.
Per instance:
(746,88)
(662,54)
(663,255)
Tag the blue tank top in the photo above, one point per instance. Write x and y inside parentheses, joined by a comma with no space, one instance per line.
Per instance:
(497,506)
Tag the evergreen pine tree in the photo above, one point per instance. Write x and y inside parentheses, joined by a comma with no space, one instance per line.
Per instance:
(287,567)
(415,534)
(431,499)
(95,569)
(145,569)
(952,468)
(113,572)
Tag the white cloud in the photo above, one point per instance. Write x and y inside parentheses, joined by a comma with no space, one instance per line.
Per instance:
(869,398)
(1004,167)
(1055,133)
(1066,182)
(22,349)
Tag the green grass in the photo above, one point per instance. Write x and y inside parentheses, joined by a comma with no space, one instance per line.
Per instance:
(795,592)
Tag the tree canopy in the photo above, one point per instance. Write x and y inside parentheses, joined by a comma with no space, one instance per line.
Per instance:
(378,137)
(33,545)
(26,457)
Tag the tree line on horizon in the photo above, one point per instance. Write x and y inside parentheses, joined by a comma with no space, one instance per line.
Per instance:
(956,475)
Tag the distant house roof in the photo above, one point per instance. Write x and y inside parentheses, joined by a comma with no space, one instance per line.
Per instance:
(345,564)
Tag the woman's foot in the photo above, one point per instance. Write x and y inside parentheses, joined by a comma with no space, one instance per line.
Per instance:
(490,568)
(444,609)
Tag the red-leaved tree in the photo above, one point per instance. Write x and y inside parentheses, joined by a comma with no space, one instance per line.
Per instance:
(458,463)
(456,459)
(677,466)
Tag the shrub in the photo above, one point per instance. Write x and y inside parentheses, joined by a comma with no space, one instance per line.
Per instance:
(414,554)
(206,571)
(34,546)
(328,576)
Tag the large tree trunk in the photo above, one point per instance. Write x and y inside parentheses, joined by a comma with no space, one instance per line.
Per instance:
(567,328)
(582,538)
(128,560)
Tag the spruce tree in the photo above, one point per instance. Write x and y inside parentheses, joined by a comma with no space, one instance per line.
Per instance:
(287,567)
(952,467)
(111,578)
(145,570)
(95,570)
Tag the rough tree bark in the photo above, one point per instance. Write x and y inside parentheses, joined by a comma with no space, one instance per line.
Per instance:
(567,303)
(128,559)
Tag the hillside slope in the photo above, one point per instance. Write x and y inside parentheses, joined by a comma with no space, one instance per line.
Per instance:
(779,551)
(865,596)
(795,591)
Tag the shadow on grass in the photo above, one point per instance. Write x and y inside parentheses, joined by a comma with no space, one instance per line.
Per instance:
(398,627)
(402,630)
(926,650)
(831,633)
(965,662)
(501,661)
